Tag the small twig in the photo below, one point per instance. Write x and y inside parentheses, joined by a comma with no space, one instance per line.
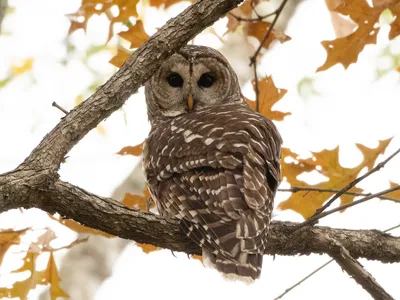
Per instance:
(354,182)
(256,88)
(295,189)
(59,107)
(312,220)
(258,19)
(392,228)
(253,59)
(304,279)
(319,269)
(268,33)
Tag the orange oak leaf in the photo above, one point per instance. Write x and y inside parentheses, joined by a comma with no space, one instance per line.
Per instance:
(327,161)
(292,166)
(268,97)
(89,8)
(232,24)
(135,34)
(75,226)
(395,194)
(8,238)
(247,6)
(132,150)
(166,3)
(139,201)
(259,30)
(243,11)
(50,274)
(345,50)
(395,26)
(198,257)
(147,248)
(121,56)
(20,289)
(342,26)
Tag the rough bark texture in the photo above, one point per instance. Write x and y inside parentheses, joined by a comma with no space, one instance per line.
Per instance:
(35,183)
(114,218)
(357,271)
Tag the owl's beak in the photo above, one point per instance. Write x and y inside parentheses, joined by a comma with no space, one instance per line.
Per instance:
(190,102)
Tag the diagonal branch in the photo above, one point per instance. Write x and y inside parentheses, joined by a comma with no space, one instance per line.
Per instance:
(317,270)
(358,273)
(354,182)
(133,74)
(296,189)
(313,219)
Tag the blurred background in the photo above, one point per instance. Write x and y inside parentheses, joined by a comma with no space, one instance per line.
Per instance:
(40,63)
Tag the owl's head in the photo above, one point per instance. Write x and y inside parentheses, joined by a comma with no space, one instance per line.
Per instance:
(193,78)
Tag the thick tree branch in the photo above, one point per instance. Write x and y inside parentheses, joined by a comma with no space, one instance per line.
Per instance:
(114,218)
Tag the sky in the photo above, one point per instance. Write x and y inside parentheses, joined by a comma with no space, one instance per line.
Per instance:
(349,106)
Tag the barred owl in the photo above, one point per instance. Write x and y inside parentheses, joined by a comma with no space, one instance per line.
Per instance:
(210,160)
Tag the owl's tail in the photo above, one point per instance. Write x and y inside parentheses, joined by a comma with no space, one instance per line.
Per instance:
(247,268)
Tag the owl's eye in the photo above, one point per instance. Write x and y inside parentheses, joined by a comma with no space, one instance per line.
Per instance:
(207,80)
(175,80)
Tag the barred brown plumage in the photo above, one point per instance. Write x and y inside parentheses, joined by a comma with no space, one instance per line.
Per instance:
(216,167)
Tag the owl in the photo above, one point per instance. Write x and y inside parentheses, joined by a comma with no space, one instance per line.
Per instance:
(211,161)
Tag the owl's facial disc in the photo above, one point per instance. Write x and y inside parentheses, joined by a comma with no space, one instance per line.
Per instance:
(212,83)
(167,91)
(195,77)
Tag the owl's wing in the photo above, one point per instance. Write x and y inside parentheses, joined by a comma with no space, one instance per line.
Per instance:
(217,170)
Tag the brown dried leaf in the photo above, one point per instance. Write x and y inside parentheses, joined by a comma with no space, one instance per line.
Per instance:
(306,203)
(89,8)
(395,26)
(21,289)
(121,57)
(51,276)
(268,97)
(138,201)
(135,34)
(395,194)
(166,3)
(247,7)
(198,257)
(8,238)
(147,248)
(75,226)
(259,30)
(345,50)
(132,150)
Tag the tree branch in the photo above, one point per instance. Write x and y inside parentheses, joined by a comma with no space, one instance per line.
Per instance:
(114,218)
(318,269)
(358,273)
(313,219)
(133,74)
(296,189)
(354,182)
